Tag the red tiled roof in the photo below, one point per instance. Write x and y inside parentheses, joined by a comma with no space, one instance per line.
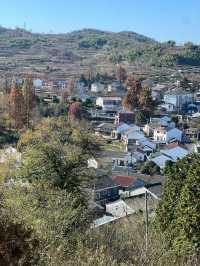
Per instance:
(124,181)
(174,145)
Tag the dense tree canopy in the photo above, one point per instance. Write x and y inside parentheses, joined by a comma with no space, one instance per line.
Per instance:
(178,216)
(39,224)
(57,151)
(150,168)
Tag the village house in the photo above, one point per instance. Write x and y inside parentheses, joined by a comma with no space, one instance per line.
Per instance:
(132,191)
(165,135)
(127,184)
(104,190)
(115,87)
(37,83)
(120,130)
(105,129)
(161,160)
(113,212)
(197,97)
(124,161)
(47,87)
(147,146)
(171,154)
(97,87)
(139,155)
(167,107)
(192,133)
(178,98)
(124,117)
(133,135)
(155,122)
(197,148)
(175,153)
(59,84)
(109,104)
(158,91)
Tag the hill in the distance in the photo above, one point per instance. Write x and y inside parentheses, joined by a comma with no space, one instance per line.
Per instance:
(63,55)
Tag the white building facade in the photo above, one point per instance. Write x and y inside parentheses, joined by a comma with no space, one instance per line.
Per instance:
(178,99)
(109,103)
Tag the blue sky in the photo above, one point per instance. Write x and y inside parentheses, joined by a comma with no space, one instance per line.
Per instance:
(178,20)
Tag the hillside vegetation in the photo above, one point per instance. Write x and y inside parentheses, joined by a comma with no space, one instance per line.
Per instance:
(63,55)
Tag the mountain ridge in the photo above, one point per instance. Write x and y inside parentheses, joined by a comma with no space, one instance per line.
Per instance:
(63,55)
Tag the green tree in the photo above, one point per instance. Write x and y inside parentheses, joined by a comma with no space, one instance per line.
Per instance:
(178,212)
(40,224)
(141,116)
(63,166)
(62,130)
(150,168)
(57,151)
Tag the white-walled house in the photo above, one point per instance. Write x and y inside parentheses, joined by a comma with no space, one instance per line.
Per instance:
(164,121)
(97,87)
(165,135)
(126,161)
(37,83)
(178,98)
(156,122)
(115,87)
(168,107)
(109,103)
(197,97)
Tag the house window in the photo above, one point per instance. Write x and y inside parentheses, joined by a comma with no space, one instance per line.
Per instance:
(121,163)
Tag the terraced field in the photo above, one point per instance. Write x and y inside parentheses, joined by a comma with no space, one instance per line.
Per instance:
(70,54)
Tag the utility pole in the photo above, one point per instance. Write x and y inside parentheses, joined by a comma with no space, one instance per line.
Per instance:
(146,220)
